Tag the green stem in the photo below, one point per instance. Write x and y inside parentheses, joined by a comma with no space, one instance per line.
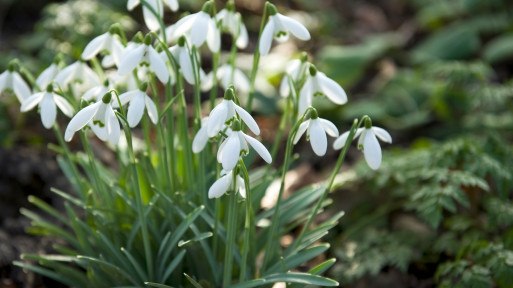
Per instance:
(231,228)
(213,91)
(187,149)
(170,136)
(248,224)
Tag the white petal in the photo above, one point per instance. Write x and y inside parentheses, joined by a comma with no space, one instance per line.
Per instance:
(243,39)
(83,117)
(64,105)
(241,186)
(130,60)
(231,152)
(284,86)
(318,138)
(221,150)
(131,4)
(341,141)
(152,109)
(48,110)
(301,130)
(207,82)
(305,96)
(113,127)
(173,4)
(329,127)
(220,186)
(296,28)
(149,18)
(157,65)
(125,97)
(3,80)
(95,46)
(331,89)
(248,119)
(65,75)
(293,68)
(266,38)
(382,134)
(135,110)
(20,88)
(31,101)
(213,36)
(183,25)
(200,140)
(199,29)
(241,81)
(371,150)
(186,65)
(116,51)
(47,76)
(259,148)
(217,118)
(88,76)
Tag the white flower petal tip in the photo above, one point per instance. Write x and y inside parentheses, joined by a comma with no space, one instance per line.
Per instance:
(11,80)
(236,145)
(225,183)
(316,130)
(224,112)
(138,101)
(199,28)
(48,103)
(318,84)
(279,27)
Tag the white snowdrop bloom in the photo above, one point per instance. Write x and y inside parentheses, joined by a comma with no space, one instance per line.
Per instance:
(227,110)
(183,58)
(236,145)
(11,80)
(316,129)
(367,142)
(225,183)
(280,27)
(318,84)
(106,42)
(48,102)
(138,100)
(47,76)
(144,55)
(240,80)
(231,21)
(201,137)
(100,117)
(200,27)
(79,73)
(149,18)
(97,92)
(295,69)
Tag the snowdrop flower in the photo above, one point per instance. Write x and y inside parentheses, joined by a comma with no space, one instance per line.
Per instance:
(318,84)
(109,42)
(182,56)
(98,91)
(201,138)
(144,55)
(316,129)
(236,145)
(225,183)
(279,27)
(200,27)
(149,18)
(47,101)
(367,142)
(100,117)
(12,81)
(80,73)
(138,101)
(231,21)
(295,70)
(48,75)
(225,111)
(240,80)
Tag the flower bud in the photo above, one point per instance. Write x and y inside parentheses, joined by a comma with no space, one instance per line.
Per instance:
(271,9)
(207,7)
(143,87)
(368,123)
(181,41)
(138,37)
(312,70)
(236,125)
(313,113)
(107,98)
(147,40)
(229,94)
(49,88)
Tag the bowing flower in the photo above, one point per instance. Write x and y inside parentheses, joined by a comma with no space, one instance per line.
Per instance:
(48,75)
(109,42)
(100,117)
(138,101)
(79,73)
(144,55)
(316,129)
(318,84)
(182,56)
(225,111)
(151,19)
(225,183)
(236,145)
(12,81)
(98,91)
(279,27)
(48,101)
(240,81)
(200,27)
(295,70)
(367,142)
(231,21)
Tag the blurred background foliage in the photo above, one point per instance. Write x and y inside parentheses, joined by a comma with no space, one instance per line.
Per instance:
(438,74)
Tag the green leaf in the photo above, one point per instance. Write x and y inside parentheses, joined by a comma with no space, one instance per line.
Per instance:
(157,285)
(197,238)
(193,282)
(301,257)
(499,49)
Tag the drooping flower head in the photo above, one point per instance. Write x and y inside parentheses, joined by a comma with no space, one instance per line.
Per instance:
(200,27)
(100,117)
(318,84)
(138,100)
(224,74)
(280,27)
(106,42)
(144,55)
(151,19)
(48,102)
(236,145)
(10,80)
(48,75)
(183,59)
(80,75)
(225,183)
(367,142)
(316,129)
(97,92)
(294,72)
(231,21)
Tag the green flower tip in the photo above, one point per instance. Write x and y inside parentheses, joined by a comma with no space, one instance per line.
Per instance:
(107,97)
(106,83)
(181,41)
(115,29)
(229,94)
(147,39)
(138,37)
(271,9)
(57,59)
(236,125)
(13,65)
(207,7)
(49,88)
(368,123)
(313,113)
(83,104)
(143,87)
(312,70)
(230,6)
(304,57)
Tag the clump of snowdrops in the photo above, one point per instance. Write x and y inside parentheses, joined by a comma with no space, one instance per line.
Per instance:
(182,207)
